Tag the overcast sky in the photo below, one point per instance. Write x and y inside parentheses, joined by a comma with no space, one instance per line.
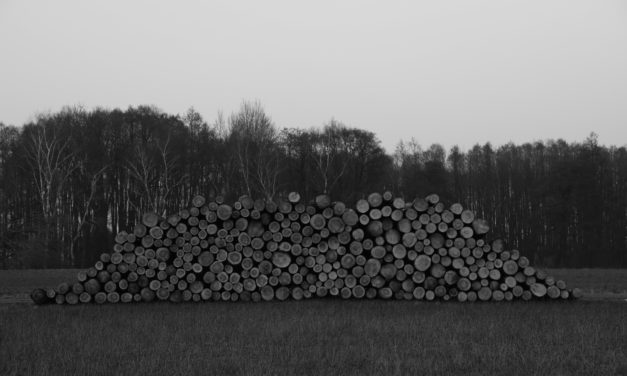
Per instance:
(452,72)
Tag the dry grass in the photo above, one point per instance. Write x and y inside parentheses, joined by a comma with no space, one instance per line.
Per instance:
(315,337)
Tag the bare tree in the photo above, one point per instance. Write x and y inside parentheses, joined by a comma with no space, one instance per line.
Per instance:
(52,162)
(255,141)
(267,167)
(154,172)
(87,207)
(328,155)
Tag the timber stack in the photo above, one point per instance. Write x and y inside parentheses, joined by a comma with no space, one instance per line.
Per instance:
(260,250)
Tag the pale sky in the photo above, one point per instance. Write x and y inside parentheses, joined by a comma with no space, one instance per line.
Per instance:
(452,72)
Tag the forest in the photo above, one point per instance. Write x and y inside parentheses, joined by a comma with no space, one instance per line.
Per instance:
(70,180)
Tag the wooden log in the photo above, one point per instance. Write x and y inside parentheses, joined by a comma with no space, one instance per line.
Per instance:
(63,288)
(335,225)
(553,292)
(362,206)
(560,284)
(372,267)
(437,270)
(284,207)
(451,277)
(358,292)
(281,259)
(317,222)
(77,288)
(298,293)
(378,252)
(529,271)
(59,299)
(510,282)
(510,267)
(267,293)
(322,201)
(456,208)
(198,201)
(375,200)
(463,284)
(480,226)
(224,212)
(538,289)
(375,228)
(420,205)
(388,271)
(398,203)
(484,294)
(540,274)
(392,236)
(399,251)
(422,263)
(150,219)
(385,293)
(282,293)
(350,217)
(467,216)
(498,295)
(436,240)
(92,286)
(39,296)
(50,293)
(113,297)
(466,232)
(432,199)
(294,197)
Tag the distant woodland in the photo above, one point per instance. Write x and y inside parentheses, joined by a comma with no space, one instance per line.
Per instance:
(70,180)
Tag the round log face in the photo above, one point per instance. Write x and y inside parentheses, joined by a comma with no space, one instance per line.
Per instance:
(39,296)
(484,294)
(293,197)
(372,267)
(323,201)
(538,289)
(281,259)
(255,250)
(375,200)
(422,263)
(198,201)
(150,219)
(317,222)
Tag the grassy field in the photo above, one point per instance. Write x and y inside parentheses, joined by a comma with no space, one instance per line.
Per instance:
(587,337)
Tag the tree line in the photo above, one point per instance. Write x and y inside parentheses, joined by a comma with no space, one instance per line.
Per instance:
(70,180)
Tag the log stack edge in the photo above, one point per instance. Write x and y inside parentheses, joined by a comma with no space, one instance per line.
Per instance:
(261,250)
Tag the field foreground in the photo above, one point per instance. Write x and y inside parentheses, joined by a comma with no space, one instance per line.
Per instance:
(585,337)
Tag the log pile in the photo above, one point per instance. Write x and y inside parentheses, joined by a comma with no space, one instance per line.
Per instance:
(258,250)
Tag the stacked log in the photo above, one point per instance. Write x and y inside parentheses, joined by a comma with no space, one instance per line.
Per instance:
(256,250)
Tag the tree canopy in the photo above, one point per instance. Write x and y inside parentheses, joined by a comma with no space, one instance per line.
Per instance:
(70,180)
